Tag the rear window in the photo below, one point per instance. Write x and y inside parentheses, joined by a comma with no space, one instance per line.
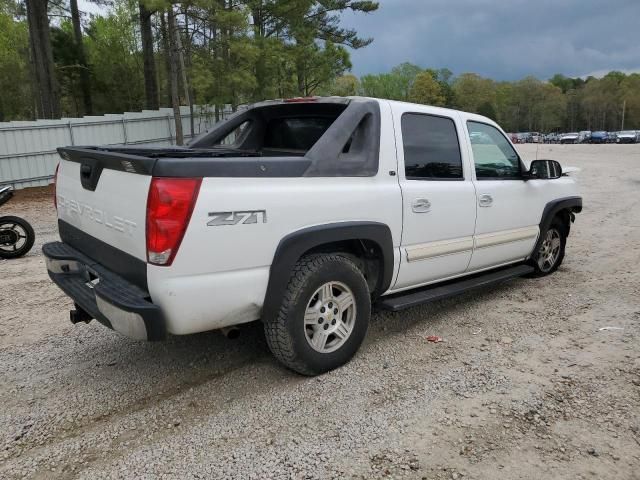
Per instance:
(431,148)
(295,133)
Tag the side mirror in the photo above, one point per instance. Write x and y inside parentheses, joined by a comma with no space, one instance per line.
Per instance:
(544,170)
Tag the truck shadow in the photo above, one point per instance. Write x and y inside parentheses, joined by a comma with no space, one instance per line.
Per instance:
(196,359)
(199,373)
(197,354)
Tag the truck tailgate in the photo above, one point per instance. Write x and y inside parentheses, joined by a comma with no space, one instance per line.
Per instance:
(108,205)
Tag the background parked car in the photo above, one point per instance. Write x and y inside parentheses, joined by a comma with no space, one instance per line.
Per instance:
(525,137)
(552,138)
(627,136)
(612,137)
(570,138)
(585,136)
(536,137)
(599,137)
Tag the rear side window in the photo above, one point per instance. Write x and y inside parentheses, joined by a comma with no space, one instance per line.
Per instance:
(431,148)
(296,133)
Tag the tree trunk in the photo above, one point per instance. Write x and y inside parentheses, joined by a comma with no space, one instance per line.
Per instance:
(85,79)
(173,77)
(300,71)
(183,73)
(261,62)
(189,64)
(167,56)
(150,80)
(48,96)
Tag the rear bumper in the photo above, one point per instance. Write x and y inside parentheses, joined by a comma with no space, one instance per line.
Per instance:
(103,295)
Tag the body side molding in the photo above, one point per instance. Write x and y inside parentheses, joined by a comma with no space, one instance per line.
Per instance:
(505,236)
(440,248)
(294,245)
(424,251)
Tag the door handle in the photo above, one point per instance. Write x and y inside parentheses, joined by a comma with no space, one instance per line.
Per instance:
(421,205)
(485,200)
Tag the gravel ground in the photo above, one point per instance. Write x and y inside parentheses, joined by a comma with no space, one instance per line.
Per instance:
(525,385)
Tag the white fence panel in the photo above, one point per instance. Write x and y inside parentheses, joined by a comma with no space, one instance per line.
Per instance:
(28,155)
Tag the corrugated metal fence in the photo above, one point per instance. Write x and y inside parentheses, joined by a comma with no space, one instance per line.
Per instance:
(28,154)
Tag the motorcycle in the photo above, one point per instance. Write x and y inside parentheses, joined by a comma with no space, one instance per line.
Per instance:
(16,235)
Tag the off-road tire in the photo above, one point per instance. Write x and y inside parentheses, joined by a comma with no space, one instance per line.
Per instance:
(285,332)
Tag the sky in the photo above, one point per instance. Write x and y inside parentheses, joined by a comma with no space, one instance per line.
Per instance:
(501,39)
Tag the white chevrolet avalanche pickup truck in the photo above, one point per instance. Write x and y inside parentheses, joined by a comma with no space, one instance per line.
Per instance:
(303,213)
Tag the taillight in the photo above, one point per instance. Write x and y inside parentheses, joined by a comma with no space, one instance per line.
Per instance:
(169,208)
(55,186)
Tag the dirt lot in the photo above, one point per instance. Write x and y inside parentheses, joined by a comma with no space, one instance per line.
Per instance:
(526,384)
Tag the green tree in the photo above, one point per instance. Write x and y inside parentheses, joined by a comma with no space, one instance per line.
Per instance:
(488,110)
(223,60)
(471,91)
(150,74)
(67,67)
(44,78)
(427,90)
(15,99)
(344,86)
(563,83)
(112,51)
(507,109)
(405,76)
(444,77)
(304,26)
(317,66)
(630,99)
(529,95)
(82,66)
(552,109)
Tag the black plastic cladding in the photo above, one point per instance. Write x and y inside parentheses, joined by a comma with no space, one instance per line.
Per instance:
(359,121)
(294,246)
(573,204)
(127,266)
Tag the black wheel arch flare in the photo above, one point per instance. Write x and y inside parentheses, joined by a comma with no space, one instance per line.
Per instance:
(292,247)
(551,209)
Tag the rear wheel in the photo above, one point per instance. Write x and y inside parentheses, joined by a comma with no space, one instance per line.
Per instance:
(324,315)
(16,237)
(550,253)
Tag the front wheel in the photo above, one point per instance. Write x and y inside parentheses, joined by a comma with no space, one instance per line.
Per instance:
(16,237)
(324,315)
(550,253)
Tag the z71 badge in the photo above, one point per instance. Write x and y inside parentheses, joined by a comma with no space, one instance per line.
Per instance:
(234,218)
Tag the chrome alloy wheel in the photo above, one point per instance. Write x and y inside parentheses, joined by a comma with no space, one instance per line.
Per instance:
(549,250)
(330,317)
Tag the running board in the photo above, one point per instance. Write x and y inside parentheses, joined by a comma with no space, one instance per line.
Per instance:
(404,300)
